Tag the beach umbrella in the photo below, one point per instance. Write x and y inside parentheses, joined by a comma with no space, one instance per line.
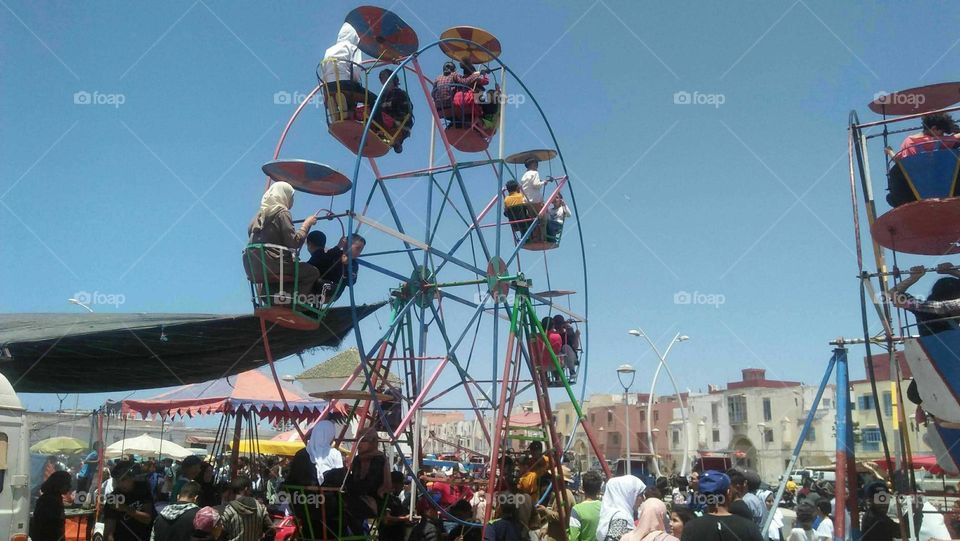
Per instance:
(58,445)
(146,446)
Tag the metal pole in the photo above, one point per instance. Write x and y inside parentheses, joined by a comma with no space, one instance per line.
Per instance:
(626,410)
(649,415)
(844,449)
(683,412)
(803,436)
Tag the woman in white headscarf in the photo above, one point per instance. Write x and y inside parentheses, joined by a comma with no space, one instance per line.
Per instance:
(322,455)
(273,225)
(617,507)
(341,70)
(775,532)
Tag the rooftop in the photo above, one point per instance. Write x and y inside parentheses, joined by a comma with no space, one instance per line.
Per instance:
(340,366)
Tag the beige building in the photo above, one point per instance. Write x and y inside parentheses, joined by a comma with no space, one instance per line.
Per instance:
(757,421)
(863,412)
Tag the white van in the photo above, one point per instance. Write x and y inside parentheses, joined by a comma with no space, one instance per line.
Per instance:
(14,465)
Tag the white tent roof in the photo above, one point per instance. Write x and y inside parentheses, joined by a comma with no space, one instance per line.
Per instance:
(148,446)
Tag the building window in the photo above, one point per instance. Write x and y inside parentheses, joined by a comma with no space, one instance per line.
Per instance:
(887,404)
(812,434)
(871,439)
(609,416)
(656,415)
(615,438)
(865,402)
(593,419)
(737,409)
(768,435)
(566,420)
(767,410)
(715,412)
(676,438)
(826,403)
(716,435)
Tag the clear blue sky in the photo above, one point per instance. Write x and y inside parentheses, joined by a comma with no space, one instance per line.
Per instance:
(748,200)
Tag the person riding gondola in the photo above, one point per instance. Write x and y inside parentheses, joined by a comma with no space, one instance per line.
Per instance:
(936,127)
(515,208)
(531,183)
(341,71)
(559,211)
(396,110)
(333,269)
(466,100)
(570,340)
(943,301)
(448,84)
(939,132)
(273,225)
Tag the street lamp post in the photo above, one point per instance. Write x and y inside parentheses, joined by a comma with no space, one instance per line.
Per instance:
(625,371)
(653,384)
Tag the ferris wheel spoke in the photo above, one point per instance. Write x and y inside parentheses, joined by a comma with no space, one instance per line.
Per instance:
(446,199)
(473,215)
(407,239)
(471,229)
(381,270)
(464,376)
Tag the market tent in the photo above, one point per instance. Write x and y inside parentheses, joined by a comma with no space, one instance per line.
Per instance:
(249,392)
(101,352)
(271,447)
(926,462)
(147,446)
(58,445)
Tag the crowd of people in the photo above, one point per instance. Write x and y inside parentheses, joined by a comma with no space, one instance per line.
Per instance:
(163,500)
(335,494)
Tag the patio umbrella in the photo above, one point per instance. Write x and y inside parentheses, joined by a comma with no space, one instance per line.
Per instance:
(148,446)
(58,445)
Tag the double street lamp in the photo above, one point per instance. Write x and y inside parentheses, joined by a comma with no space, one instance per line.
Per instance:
(626,375)
(653,384)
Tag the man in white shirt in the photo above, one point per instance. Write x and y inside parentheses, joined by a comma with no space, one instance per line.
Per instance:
(825,528)
(531,184)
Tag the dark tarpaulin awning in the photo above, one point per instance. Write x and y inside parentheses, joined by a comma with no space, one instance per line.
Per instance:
(70,353)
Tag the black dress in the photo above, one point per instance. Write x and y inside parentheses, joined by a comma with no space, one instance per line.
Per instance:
(48,521)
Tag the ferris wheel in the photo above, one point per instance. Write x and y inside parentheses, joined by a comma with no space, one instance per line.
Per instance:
(920,219)
(480,285)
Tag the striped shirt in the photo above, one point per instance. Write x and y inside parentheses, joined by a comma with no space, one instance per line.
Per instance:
(245,519)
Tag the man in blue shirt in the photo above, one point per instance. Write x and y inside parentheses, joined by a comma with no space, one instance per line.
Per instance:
(89,468)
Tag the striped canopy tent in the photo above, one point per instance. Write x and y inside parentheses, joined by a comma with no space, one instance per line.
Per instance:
(250,392)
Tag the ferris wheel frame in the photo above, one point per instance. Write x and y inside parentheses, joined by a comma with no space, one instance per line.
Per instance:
(411,63)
